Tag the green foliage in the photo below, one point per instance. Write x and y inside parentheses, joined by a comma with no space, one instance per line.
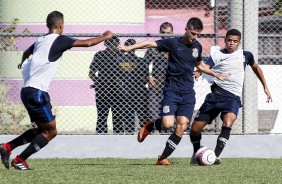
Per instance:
(278,7)
(11,114)
(110,170)
(7,43)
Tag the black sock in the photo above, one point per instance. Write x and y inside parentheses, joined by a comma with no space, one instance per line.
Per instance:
(170,146)
(222,140)
(36,144)
(156,125)
(196,141)
(25,138)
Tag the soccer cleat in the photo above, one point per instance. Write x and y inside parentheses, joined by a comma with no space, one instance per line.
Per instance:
(143,132)
(217,161)
(20,164)
(162,162)
(5,155)
(193,160)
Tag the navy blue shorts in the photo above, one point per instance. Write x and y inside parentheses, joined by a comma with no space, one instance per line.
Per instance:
(178,104)
(215,104)
(38,105)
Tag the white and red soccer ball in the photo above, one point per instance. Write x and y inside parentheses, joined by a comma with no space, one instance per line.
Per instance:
(205,156)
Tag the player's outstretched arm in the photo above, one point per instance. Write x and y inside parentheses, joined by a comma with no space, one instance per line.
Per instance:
(140,45)
(257,70)
(93,41)
(204,68)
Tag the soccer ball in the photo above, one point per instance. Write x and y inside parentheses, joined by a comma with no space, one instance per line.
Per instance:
(205,156)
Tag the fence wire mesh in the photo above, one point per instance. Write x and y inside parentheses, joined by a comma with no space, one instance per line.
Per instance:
(99,90)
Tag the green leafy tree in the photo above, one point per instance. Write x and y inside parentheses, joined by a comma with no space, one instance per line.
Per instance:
(278,7)
(8,42)
(11,114)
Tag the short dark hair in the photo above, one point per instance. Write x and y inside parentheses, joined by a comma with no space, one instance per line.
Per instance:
(129,41)
(166,25)
(53,19)
(233,32)
(195,23)
(112,42)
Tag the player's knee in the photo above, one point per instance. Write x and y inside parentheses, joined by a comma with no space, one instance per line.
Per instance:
(167,125)
(50,134)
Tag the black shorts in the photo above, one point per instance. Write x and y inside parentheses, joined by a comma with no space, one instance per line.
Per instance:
(38,105)
(178,104)
(215,104)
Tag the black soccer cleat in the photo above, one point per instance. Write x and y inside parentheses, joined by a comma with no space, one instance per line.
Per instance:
(5,155)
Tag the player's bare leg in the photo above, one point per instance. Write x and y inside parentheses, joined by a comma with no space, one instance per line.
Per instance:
(175,137)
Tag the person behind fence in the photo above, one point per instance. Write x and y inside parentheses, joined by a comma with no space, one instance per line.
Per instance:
(133,94)
(225,96)
(185,52)
(103,72)
(38,72)
(158,65)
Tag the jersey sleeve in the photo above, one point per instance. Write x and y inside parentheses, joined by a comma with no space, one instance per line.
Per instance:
(200,56)
(31,48)
(209,61)
(164,44)
(65,42)
(249,58)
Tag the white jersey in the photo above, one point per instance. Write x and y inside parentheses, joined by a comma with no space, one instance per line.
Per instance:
(39,70)
(232,63)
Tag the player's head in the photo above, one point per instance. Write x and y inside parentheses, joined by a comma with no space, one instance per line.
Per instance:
(55,21)
(129,42)
(194,27)
(232,40)
(166,28)
(112,43)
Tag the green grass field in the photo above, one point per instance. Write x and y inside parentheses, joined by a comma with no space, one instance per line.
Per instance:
(141,171)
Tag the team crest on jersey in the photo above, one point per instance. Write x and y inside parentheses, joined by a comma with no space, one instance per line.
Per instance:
(166,109)
(195,52)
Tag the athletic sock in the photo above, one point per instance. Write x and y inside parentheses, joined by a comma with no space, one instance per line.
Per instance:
(170,146)
(36,144)
(25,138)
(156,125)
(196,141)
(222,140)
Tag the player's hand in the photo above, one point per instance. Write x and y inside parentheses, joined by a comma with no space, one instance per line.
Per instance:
(108,34)
(20,66)
(269,98)
(221,76)
(197,74)
(152,80)
(123,48)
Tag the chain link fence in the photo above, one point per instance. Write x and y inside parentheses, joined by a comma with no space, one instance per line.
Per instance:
(98,90)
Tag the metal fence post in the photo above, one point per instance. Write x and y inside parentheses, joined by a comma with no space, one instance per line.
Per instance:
(250,43)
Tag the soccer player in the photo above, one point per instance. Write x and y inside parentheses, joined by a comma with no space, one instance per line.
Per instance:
(178,101)
(225,95)
(38,72)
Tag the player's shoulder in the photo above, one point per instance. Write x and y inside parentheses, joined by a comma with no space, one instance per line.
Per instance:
(247,53)
(197,44)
